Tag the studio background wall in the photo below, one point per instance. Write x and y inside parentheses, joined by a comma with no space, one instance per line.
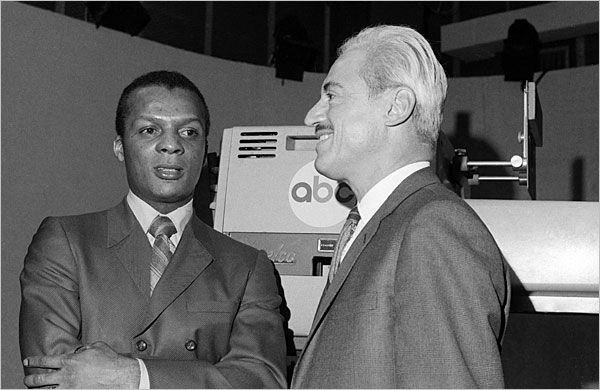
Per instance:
(61,79)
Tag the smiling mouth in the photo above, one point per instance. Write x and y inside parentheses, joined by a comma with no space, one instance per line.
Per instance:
(323,134)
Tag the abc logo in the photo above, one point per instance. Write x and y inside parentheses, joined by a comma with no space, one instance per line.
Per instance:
(318,201)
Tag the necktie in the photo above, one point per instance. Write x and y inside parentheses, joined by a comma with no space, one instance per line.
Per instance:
(345,235)
(161,229)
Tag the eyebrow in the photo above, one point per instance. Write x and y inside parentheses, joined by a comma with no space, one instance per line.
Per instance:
(179,119)
(330,84)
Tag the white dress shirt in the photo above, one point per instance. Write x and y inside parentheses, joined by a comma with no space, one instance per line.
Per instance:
(145,214)
(378,194)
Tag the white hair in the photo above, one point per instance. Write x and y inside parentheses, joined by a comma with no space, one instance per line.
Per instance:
(400,56)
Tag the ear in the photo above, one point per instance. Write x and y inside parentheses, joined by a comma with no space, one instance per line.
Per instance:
(401,106)
(118,148)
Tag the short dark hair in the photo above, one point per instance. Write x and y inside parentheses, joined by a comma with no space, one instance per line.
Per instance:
(162,78)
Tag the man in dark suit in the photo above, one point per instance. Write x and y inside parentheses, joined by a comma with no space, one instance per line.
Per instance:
(418,295)
(144,294)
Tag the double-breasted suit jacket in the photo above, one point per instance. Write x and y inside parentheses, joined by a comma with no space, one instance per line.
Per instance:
(420,300)
(212,321)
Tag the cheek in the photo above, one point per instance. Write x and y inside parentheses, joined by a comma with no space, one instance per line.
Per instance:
(137,164)
(196,155)
(350,136)
(196,172)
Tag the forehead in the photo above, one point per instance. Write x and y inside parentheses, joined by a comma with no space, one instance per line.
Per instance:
(344,72)
(162,100)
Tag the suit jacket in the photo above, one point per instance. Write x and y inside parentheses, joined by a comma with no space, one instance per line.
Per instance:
(212,321)
(420,300)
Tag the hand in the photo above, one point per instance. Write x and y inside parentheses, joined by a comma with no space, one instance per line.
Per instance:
(94,366)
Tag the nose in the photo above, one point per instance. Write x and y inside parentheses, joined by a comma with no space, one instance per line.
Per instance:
(316,114)
(170,143)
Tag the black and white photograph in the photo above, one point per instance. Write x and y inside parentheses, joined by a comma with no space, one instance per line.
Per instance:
(300,194)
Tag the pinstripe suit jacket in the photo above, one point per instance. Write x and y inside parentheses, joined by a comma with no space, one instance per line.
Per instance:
(420,300)
(86,278)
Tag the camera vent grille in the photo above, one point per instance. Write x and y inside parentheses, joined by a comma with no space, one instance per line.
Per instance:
(257,144)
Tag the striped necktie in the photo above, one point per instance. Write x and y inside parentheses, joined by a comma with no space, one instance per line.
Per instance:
(345,235)
(162,229)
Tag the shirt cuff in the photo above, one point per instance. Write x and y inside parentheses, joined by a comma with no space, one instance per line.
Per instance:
(144,379)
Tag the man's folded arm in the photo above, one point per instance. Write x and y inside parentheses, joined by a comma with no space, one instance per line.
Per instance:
(50,317)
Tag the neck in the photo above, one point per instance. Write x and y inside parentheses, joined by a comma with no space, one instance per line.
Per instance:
(367,178)
(165,208)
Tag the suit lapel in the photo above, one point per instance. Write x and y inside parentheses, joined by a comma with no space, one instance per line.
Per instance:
(130,245)
(194,253)
(410,185)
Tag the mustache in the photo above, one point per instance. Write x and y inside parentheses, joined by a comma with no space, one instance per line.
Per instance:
(324,126)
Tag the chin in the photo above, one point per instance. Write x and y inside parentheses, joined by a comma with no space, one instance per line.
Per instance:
(327,170)
(172,195)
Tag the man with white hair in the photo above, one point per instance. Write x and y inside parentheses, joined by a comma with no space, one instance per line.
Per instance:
(418,290)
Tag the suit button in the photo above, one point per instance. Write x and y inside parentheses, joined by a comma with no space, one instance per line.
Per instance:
(141,345)
(190,345)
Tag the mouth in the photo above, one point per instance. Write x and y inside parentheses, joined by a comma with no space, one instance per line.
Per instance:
(323,133)
(168,172)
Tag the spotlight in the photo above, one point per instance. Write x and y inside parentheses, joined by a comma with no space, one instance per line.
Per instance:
(520,58)
(294,52)
(126,16)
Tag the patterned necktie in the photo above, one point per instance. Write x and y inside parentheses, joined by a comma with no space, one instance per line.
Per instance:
(161,229)
(345,235)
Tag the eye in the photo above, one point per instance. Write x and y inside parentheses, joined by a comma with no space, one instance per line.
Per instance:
(148,130)
(189,132)
(331,97)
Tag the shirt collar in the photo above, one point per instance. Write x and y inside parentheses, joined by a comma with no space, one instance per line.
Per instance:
(145,213)
(378,194)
